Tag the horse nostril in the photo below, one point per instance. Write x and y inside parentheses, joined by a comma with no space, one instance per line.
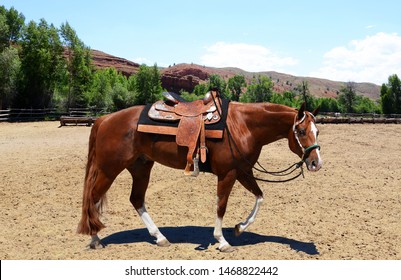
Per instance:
(315,165)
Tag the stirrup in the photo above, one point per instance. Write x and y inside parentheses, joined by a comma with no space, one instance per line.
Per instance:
(195,172)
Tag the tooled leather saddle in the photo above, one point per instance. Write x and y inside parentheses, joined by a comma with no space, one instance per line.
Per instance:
(192,117)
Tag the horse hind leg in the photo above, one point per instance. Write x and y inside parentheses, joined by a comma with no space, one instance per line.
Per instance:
(96,186)
(140,172)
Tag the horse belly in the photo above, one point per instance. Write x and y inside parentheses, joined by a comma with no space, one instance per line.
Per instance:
(168,153)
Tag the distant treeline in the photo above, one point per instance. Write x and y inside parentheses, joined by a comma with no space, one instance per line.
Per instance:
(42,66)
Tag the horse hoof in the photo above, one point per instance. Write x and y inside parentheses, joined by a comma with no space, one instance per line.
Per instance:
(226,248)
(163,243)
(237,230)
(96,245)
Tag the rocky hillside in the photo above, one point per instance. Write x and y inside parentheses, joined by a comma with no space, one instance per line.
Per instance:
(187,76)
(104,60)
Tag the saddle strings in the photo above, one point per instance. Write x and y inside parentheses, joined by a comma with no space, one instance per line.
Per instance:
(261,169)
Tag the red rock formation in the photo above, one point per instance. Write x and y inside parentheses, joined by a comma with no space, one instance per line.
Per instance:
(103,60)
(182,77)
(187,76)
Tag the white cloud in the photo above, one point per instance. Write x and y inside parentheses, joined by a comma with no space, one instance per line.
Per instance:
(372,59)
(248,57)
(142,60)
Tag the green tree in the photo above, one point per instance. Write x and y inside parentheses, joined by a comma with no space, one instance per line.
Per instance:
(305,96)
(217,82)
(387,100)
(131,83)
(4,30)
(328,105)
(9,69)
(99,94)
(395,85)
(156,84)
(390,95)
(260,90)
(200,90)
(287,98)
(235,85)
(11,23)
(365,105)
(148,85)
(79,67)
(189,96)
(198,93)
(122,97)
(41,65)
(347,97)
(277,98)
(15,22)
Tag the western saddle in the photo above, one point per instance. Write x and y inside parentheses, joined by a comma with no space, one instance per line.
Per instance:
(192,118)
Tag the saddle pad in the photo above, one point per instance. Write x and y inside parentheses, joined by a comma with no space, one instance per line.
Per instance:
(146,124)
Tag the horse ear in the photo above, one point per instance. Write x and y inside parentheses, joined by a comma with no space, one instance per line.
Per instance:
(301,111)
(316,111)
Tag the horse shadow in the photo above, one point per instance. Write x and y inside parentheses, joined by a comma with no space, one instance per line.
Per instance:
(203,237)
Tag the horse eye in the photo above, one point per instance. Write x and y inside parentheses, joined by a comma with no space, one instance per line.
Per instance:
(302,132)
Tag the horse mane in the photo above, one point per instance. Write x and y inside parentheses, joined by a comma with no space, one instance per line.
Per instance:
(272,107)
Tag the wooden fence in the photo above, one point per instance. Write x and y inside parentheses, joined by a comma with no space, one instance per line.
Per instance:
(23,115)
(337,118)
(88,115)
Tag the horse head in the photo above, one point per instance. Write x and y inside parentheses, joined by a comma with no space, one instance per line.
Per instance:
(303,138)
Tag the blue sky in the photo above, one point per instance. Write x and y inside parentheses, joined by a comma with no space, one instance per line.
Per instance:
(338,40)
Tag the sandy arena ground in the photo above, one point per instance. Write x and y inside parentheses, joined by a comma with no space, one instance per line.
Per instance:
(351,209)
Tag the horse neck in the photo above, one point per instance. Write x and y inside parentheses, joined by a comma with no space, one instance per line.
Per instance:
(268,122)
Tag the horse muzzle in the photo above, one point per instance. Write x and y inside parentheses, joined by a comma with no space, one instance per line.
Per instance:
(312,158)
(313,165)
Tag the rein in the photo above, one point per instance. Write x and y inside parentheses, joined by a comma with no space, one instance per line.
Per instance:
(261,169)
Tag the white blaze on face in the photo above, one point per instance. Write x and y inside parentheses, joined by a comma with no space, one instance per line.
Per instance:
(314,131)
(313,128)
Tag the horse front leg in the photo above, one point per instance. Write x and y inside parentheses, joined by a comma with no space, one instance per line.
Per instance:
(224,187)
(154,231)
(251,185)
(241,227)
(140,172)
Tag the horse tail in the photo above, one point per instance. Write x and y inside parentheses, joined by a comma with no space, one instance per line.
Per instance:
(90,223)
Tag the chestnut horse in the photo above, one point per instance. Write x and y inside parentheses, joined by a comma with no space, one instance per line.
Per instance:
(115,145)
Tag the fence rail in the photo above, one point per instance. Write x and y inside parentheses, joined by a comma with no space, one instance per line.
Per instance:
(21,115)
(338,118)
